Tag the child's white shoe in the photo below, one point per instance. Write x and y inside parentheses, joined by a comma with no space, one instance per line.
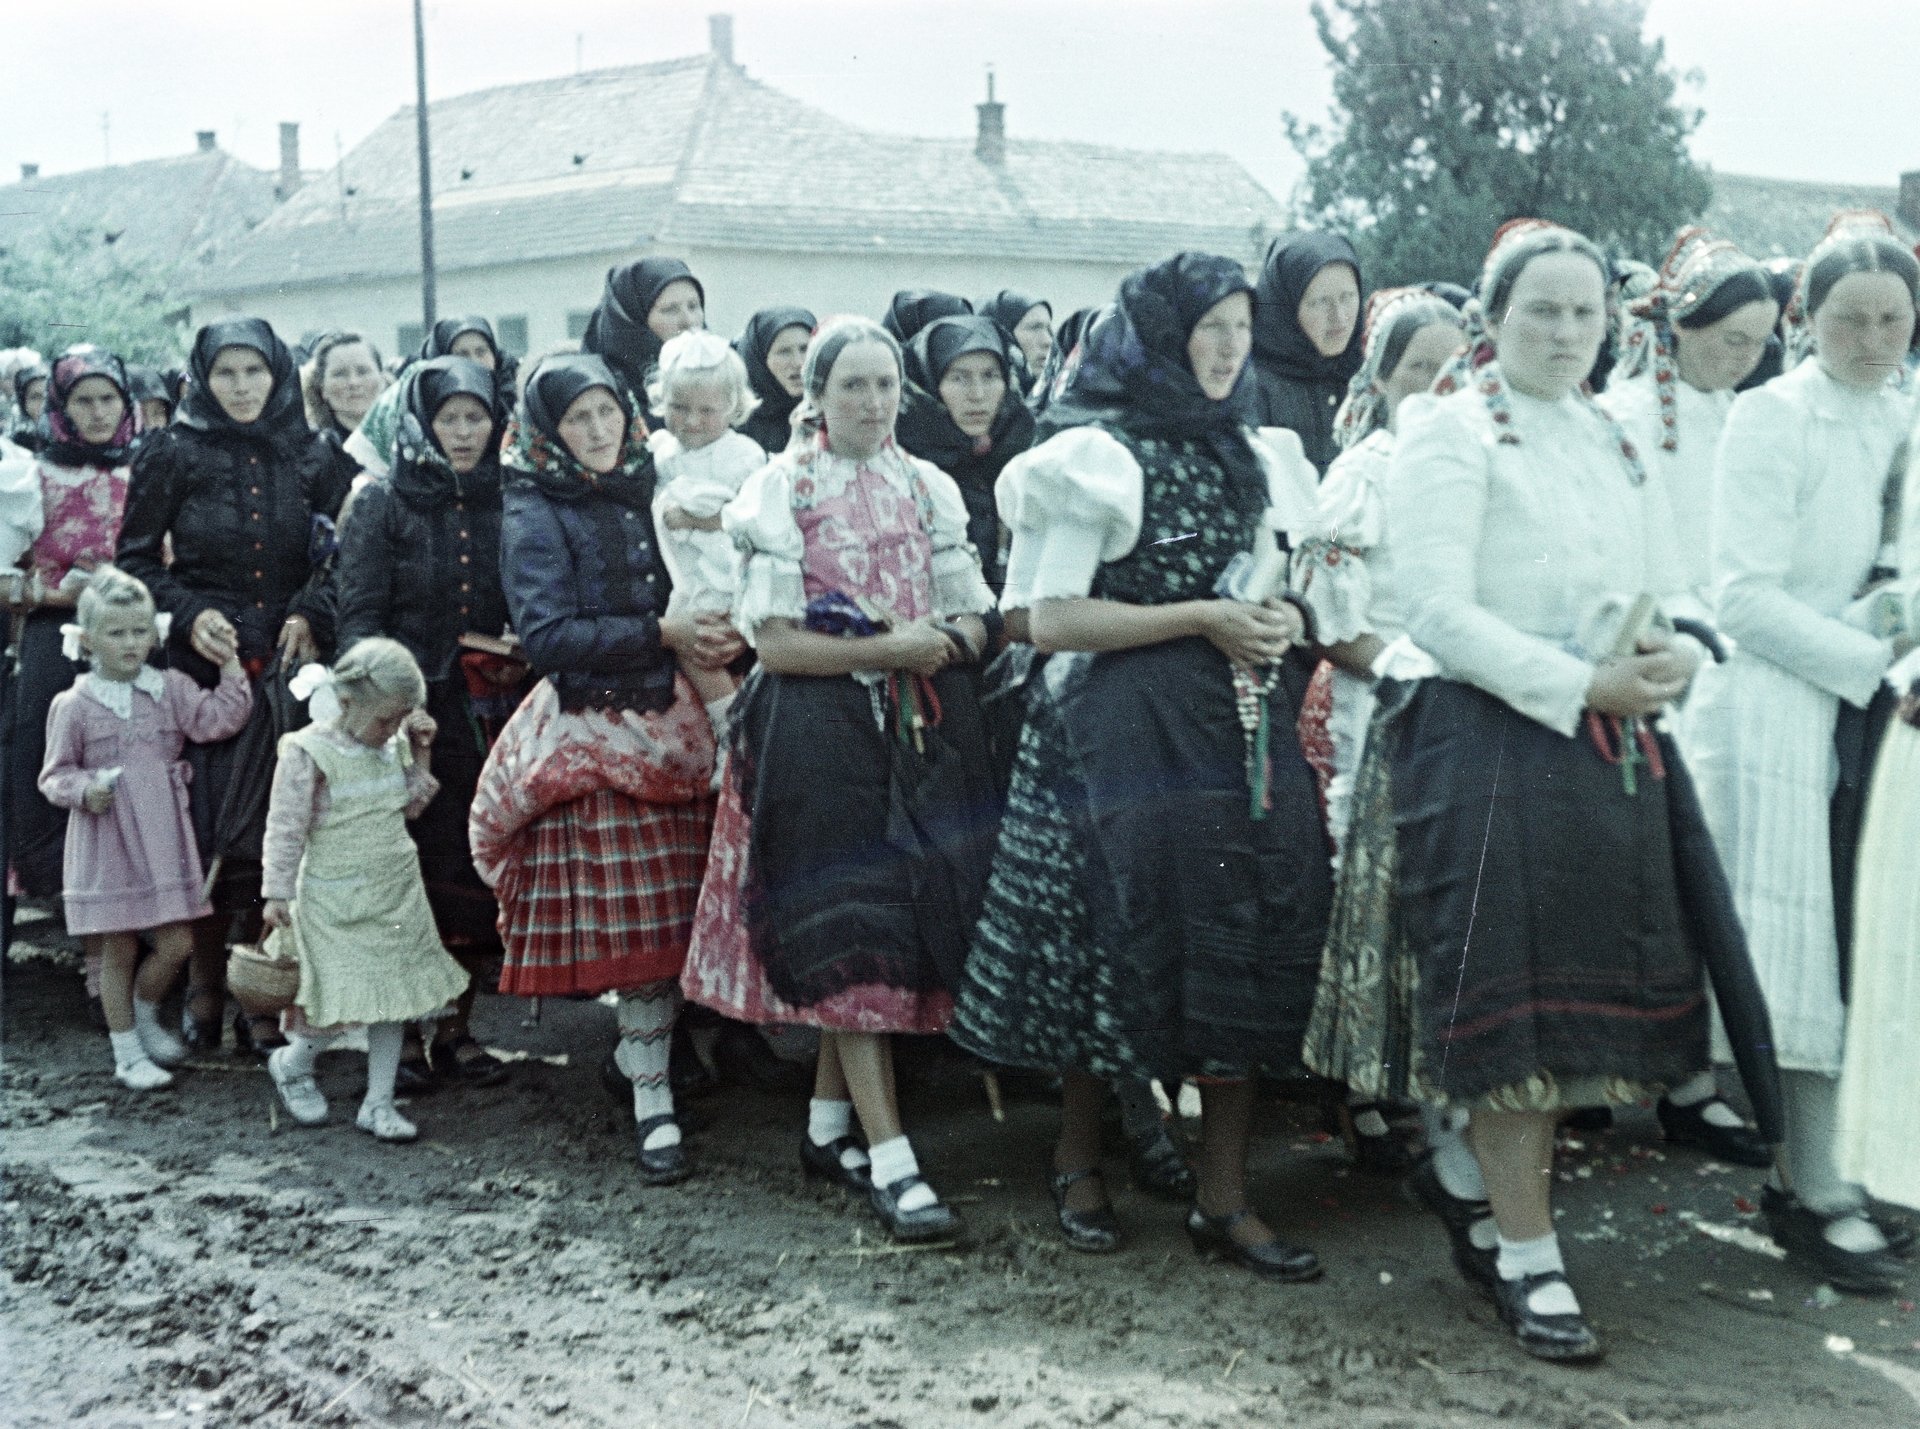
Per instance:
(383,1119)
(301,1095)
(141,1075)
(162,1046)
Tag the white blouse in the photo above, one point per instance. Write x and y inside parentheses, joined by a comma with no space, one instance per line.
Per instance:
(1687,472)
(1073,504)
(772,551)
(1508,557)
(1798,486)
(1345,569)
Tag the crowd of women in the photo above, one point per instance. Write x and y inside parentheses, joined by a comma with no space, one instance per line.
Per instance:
(1457,695)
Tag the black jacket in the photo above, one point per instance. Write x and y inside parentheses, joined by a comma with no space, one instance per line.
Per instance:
(241,513)
(423,569)
(585,587)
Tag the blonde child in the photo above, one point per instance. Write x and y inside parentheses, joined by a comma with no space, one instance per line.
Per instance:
(342,879)
(701,391)
(131,864)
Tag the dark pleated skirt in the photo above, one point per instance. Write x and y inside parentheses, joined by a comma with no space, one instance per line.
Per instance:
(1140,921)
(463,906)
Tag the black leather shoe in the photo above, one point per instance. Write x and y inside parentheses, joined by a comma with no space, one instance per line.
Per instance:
(1096,1232)
(745,1060)
(664,1165)
(1688,1126)
(1589,1119)
(1476,1266)
(1566,1338)
(1384,1155)
(1897,1229)
(1158,1167)
(1801,1232)
(1212,1238)
(415,1078)
(822,1163)
(201,1035)
(935,1222)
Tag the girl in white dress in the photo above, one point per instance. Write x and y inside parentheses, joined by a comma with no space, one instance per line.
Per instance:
(1800,515)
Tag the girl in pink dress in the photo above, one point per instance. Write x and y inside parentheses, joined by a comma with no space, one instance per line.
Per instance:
(857,811)
(113,759)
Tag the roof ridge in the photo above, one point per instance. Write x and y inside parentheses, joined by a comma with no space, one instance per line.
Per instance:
(196,156)
(603,72)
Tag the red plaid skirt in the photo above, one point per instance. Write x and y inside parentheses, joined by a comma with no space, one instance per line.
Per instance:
(604,895)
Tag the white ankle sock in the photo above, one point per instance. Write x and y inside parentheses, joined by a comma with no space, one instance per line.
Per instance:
(1855,1233)
(1521,1258)
(384,1040)
(827,1122)
(894,1161)
(646,1016)
(1703,1091)
(127,1048)
(302,1054)
(1453,1160)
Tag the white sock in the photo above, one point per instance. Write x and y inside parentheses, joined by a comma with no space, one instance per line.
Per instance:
(1854,1233)
(827,1122)
(1521,1258)
(383,1061)
(162,1046)
(894,1161)
(1701,1088)
(1453,1160)
(302,1053)
(128,1051)
(646,1016)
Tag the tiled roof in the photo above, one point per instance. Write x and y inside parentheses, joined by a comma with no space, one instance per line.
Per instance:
(177,216)
(1784,218)
(694,152)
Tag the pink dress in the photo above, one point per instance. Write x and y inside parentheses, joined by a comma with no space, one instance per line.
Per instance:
(890,534)
(136,866)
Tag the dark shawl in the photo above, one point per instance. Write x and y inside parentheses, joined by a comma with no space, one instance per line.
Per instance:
(771,422)
(282,422)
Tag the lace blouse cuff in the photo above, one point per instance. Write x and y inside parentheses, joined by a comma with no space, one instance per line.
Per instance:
(771,588)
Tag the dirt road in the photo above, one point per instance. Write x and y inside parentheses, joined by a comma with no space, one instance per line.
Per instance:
(190,1258)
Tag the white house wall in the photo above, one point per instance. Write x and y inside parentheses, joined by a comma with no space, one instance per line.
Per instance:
(737,283)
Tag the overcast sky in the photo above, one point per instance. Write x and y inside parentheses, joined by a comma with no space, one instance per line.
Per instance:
(1790,89)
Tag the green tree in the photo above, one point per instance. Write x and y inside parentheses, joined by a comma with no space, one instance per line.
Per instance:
(1452,116)
(69,288)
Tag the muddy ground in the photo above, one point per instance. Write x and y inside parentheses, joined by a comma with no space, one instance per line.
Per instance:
(190,1258)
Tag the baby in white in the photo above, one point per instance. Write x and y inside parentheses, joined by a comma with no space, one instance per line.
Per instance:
(700,390)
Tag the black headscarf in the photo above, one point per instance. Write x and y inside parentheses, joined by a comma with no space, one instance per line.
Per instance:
(772,418)
(1293,261)
(20,429)
(618,329)
(1008,306)
(439,343)
(536,449)
(1134,373)
(421,473)
(61,443)
(913,308)
(282,420)
(150,385)
(1066,341)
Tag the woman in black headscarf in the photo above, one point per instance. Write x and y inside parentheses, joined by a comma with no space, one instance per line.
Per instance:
(645,303)
(774,347)
(473,338)
(152,395)
(1028,323)
(960,410)
(913,308)
(29,401)
(1160,894)
(244,495)
(1306,338)
(594,807)
(87,432)
(420,563)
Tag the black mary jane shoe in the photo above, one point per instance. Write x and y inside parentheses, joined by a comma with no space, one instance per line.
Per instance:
(1897,1229)
(929,1223)
(1459,1216)
(664,1165)
(462,1059)
(1158,1167)
(1568,1339)
(1802,1233)
(823,1163)
(1384,1155)
(1095,1232)
(1688,1126)
(1212,1238)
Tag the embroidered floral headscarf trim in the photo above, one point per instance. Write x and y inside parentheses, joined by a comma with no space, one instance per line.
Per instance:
(1364,409)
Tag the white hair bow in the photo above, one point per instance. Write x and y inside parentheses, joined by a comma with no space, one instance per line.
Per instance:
(313,684)
(70,636)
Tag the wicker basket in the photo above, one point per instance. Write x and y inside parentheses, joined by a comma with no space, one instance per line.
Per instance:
(262,984)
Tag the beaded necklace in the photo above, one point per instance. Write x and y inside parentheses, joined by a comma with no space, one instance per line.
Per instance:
(1493,391)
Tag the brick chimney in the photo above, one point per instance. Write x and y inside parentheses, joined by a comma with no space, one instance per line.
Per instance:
(289,161)
(720,37)
(29,172)
(1909,210)
(204,138)
(990,141)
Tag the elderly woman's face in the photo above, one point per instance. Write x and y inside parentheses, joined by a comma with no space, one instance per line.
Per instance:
(678,309)
(788,356)
(350,382)
(1220,343)
(593,427)
(474,346)
(34,400)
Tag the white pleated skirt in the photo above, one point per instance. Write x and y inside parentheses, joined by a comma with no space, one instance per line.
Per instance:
(1759,742)
(1879,1143)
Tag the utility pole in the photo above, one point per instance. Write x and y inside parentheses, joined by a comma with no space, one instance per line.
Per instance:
(427,300)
